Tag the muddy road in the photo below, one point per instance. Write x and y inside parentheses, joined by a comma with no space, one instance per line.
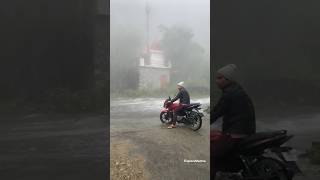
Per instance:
(64,147)
(160,152)
(54,146)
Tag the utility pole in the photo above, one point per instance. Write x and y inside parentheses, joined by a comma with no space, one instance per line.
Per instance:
(147,30)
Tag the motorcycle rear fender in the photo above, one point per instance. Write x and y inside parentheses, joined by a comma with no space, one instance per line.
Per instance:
(281,149)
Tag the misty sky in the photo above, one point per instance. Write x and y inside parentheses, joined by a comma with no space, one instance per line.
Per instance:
(192,13)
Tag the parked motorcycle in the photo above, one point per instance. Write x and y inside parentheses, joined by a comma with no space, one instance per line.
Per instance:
(190,114)
(261,156)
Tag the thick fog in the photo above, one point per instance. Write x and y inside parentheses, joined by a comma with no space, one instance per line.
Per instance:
(182,28)
(192,13)
(275,46)
(51,50)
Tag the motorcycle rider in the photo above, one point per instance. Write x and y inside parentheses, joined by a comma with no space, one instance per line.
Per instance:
(184,99)
(237,110)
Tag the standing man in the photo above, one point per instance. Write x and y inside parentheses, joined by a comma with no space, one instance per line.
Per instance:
(184,98)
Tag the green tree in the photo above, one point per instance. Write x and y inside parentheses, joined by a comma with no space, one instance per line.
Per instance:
(189,60)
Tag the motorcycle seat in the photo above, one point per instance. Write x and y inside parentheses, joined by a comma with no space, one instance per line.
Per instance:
(261,135)
(193,104)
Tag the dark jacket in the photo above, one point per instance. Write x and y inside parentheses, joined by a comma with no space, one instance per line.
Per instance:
(183,95)
(237,110)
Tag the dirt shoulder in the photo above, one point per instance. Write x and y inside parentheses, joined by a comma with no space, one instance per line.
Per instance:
(124,164)
(161,152)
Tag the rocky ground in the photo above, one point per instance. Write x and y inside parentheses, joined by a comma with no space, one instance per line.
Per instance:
(125,165)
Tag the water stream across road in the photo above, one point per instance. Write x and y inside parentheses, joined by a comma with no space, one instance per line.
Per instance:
(139,113)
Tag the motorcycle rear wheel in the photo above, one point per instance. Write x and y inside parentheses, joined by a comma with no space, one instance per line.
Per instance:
(197,124)
(270,168)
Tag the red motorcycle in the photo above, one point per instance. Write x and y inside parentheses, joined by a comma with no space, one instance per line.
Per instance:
(260,156)
(189,114)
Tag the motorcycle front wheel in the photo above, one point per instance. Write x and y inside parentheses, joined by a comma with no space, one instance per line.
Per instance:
(165,117)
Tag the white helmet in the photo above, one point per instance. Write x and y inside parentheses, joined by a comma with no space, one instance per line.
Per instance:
(181,84)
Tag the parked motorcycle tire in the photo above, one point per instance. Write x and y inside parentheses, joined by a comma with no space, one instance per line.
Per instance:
(270,168)
(165,118)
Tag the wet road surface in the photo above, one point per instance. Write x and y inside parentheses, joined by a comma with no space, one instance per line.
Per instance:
(163,150)
(54,147)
